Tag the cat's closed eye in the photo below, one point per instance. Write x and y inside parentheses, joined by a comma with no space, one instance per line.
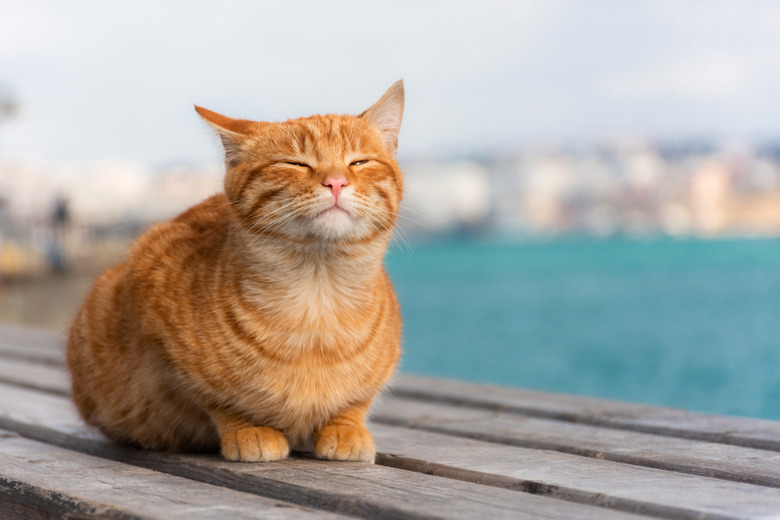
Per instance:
(358,162)
(299,164)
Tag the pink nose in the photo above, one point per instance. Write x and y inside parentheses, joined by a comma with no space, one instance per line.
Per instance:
(335,184)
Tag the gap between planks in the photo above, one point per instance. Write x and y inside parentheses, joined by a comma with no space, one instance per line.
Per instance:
(668,422)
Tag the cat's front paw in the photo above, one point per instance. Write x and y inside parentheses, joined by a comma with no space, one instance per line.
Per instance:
(343,442)
(255,444)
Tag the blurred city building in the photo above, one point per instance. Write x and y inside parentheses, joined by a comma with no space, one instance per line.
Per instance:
(622,188)
(637,189)
(54,216)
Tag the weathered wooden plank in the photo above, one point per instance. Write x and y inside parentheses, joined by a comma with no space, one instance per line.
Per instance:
(353,488)
(29,374)
(31,337)
(599,482)
(739,431)
(37,354)
(668,453)
(37,478)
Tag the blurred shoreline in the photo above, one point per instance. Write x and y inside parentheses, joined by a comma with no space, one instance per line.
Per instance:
(60,226)
(624,187)
(34,294)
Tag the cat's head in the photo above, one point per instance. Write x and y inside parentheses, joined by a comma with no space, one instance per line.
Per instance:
(324,177)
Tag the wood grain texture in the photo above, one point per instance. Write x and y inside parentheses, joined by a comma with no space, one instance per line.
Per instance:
(44,354)
(356,489)
(45,378)
(47,480)
(570,477)
(31,337)
(739,431)
(714,460)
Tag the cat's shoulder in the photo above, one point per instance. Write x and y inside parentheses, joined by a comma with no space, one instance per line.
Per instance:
(208,217)
(210,214)
(201,226)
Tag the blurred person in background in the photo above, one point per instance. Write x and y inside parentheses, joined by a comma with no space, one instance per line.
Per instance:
(60,222)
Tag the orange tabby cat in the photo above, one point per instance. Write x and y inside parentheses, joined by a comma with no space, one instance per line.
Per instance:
(262,318)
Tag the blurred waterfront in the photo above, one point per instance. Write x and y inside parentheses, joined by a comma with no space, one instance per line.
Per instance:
(633,189)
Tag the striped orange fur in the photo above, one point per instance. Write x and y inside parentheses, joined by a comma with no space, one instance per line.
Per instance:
(262,318)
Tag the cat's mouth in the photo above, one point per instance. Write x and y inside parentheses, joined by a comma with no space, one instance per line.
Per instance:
(333,209)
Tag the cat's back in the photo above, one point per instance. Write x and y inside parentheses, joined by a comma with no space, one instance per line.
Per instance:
(209,215)
(112,342)
(170,267)
(163,260)
(160,265)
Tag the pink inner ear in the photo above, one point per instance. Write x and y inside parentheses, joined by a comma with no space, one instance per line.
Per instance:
(387,113)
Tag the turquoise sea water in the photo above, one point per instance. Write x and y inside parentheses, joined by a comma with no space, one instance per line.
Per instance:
(691,324)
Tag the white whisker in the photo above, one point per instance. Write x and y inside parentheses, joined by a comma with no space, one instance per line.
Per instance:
(398,235)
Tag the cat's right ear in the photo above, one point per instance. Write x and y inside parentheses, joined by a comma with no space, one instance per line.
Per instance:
(386,115)
(232,132)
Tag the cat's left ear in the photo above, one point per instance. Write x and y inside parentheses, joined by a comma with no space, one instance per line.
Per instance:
(386,115)
(232,132)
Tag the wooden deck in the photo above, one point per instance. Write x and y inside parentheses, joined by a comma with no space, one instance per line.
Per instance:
(447,450)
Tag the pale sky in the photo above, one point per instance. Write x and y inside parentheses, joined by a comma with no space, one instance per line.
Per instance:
(100,80)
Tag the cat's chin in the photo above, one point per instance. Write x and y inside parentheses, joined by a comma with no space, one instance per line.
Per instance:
(335,223)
